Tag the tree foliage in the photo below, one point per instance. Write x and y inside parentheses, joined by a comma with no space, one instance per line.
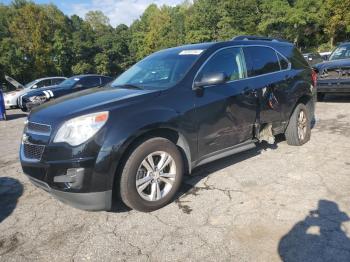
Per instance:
(39,40)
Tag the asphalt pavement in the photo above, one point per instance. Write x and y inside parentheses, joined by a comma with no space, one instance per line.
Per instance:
(271,203)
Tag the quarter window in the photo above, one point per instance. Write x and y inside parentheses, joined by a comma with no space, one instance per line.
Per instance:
(228,61)
(283,62)
(260,60)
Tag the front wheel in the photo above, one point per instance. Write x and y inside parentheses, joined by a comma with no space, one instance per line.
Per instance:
(151,175)
(298,131)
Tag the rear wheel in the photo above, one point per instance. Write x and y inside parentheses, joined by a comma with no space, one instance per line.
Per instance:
(298,131)
(151,175)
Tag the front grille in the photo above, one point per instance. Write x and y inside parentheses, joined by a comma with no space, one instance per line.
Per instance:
(32,151)
(37,128)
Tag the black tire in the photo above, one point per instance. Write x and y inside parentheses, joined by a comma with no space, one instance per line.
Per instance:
(320,96)
(292,134)
(128,190)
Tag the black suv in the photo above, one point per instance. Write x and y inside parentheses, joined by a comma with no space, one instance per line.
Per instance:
(71,85)
(171,112)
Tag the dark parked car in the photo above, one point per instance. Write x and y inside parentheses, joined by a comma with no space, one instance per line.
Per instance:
(173,111)
(11,98)
(334,74)
(71,85)
(313,58)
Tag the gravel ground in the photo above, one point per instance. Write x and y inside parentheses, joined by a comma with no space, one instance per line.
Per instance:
(271,203)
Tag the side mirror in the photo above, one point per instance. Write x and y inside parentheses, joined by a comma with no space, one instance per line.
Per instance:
(34,86)
(210,79)
(79,86)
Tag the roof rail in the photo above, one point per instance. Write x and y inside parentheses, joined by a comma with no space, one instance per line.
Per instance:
(255,37)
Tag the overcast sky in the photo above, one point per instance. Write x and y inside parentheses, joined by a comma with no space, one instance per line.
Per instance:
(118,11)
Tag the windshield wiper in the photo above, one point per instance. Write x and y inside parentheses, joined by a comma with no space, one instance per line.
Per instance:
(129,86)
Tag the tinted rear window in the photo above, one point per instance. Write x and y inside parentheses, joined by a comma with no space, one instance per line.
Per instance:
(260,60)
(283,62)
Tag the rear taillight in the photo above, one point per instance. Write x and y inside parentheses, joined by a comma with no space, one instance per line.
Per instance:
(314,77)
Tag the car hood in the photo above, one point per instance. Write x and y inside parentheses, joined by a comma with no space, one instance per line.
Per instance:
(15,93)
(333,64)
(88,101)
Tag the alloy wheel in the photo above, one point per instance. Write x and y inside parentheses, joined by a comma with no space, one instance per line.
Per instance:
(155,176)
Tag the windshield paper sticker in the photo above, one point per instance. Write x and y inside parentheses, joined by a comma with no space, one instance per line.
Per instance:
(191,52)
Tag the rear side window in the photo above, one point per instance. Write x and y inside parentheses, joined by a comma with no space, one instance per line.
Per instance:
(90,81)
(105,80)
(283,62)
(298,60)
(260,60)
(228,61)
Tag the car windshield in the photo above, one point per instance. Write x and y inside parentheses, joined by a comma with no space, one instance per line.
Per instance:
(159,71)
(30,84)
(341,52)
(69,82)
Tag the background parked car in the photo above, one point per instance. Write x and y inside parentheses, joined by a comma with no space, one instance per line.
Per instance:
(325,55)
(313,58)
(12,97)
(73,84)
(334,74)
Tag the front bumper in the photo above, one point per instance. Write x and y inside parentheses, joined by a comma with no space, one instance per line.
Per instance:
(10,103)
(333,86)
(85,201)
(79,183)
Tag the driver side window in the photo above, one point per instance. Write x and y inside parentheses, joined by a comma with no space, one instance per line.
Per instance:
(228,61)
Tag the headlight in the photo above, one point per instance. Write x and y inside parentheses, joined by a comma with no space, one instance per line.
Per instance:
(78,130)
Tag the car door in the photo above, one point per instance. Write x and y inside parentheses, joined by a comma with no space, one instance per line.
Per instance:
(269,73)
(226,112)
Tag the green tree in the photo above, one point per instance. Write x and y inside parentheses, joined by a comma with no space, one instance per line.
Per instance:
(97,20)
(238,18)
(337,26)
(202,23)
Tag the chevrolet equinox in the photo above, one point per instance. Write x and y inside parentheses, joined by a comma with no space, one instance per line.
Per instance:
(175,110)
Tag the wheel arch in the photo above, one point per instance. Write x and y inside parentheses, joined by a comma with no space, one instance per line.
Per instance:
(307,100)
(166,132)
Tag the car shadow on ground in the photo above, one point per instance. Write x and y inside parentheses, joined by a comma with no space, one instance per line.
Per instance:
(188,186)
(10,190)
(10,117)
(319,237)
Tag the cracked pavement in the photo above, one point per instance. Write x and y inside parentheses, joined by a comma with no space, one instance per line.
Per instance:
(271,203)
